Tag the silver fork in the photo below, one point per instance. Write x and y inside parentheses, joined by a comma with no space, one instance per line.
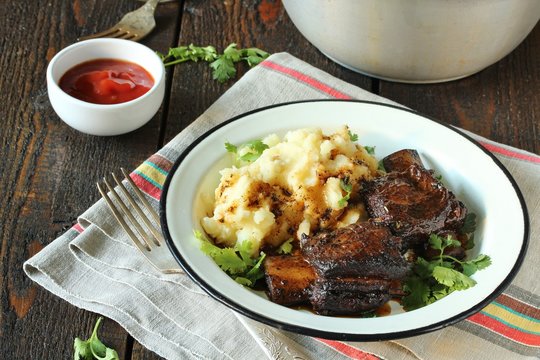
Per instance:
(150,241)
(134,26)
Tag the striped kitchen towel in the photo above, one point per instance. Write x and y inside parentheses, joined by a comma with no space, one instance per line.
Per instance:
(170,315)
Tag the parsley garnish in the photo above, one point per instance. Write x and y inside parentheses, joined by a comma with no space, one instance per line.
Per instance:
(432,280)
(231,148)
(236,262)
(370,150)
(246,153)
(381,167)
(223,65)
(286,247)
(469,225)
(93,348)
(347,187)
(353,137)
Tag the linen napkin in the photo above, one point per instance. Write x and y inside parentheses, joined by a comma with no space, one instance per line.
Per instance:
(171,316)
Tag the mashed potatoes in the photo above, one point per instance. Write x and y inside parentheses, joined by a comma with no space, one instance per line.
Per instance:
(298,185)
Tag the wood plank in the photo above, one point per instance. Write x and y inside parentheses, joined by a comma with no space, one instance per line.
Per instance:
(501,102)
(49,169)
(139,352)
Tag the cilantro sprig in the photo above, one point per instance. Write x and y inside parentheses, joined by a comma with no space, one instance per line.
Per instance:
(222,65)
(370,150)
(469,225)
(346,186)
(235,261)
(286,247)
(352,136)
(93,348)
(246,153)
(434,279)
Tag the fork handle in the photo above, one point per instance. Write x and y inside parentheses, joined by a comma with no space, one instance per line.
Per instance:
(150,5)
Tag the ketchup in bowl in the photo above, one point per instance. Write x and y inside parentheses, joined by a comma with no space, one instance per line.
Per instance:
(106,81)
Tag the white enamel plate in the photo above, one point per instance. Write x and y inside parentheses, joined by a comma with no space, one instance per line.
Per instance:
(474,175)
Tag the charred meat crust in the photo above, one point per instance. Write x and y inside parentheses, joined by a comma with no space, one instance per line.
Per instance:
(362,250)
(401,160)
(347,296)
(413,204)
(289,279)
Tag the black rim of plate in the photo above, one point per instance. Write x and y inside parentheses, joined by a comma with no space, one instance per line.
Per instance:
(329,334)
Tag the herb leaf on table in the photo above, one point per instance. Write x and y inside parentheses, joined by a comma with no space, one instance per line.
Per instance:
(93,348)
(223,65)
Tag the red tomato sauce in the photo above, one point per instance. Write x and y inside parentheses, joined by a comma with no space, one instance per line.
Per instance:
(106,81)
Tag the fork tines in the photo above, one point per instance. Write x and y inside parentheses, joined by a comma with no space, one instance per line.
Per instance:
(134,25)
(148,238)
(113,32)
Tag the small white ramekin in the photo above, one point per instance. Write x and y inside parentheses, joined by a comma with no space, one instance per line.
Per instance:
(105,120)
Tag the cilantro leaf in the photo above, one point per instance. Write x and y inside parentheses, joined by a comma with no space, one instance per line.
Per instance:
(470,242)
(93,348)
(189,53)
(452,278)
(438,291)
(225,258)
(418,293)
(231,148)
(254,56)
(353,137)
(243,281)
(381,167)
(246,153)
(232,53)
(236,262)
(254,150)
(207,53)
(223,69)
(82,350)
(347,187)
(423,268)
(286,247)
(229,261)
(370,150)
(479,263)
(440,243)
(223,65)
(434,279)
(256,273)
(244,249)
(469,225)
(435,242)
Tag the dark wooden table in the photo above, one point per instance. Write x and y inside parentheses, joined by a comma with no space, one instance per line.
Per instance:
(48,170)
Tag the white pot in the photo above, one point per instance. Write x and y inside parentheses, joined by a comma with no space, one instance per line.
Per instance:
(417,41)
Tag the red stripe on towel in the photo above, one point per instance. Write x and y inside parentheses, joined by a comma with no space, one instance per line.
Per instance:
(78,228)
(505,330)
(308,80)
(513,154)
(348,350)
(146,186)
